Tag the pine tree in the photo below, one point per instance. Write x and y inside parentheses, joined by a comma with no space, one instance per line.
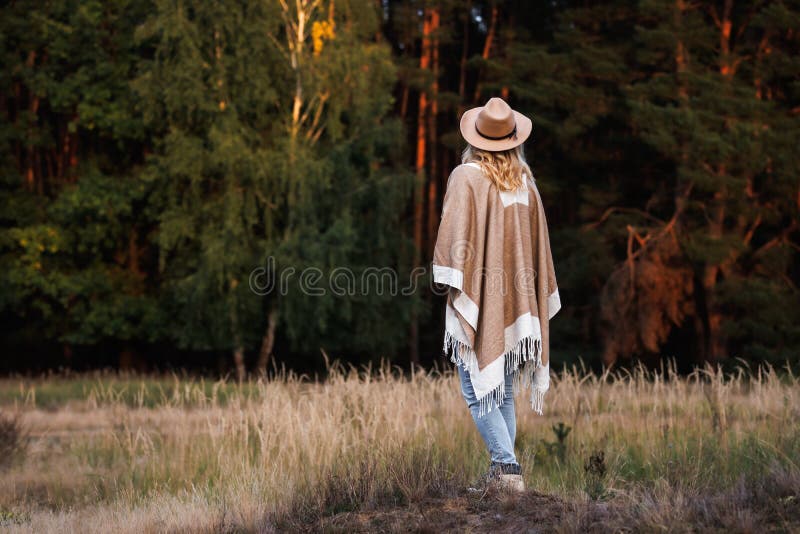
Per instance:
(700,102)
(657,116)
(73,244)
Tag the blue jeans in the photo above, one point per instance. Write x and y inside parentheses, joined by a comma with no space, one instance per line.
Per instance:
(498,427)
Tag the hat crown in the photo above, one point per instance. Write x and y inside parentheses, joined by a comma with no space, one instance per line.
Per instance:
(495,119)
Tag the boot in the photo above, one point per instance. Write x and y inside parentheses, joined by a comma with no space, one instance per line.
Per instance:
(508,476)
(513,483)
(501,476)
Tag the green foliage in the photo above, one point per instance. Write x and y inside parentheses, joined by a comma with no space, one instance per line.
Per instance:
(13,439)
(8,517)
(64,242)
(595,476)
(557,448)
(241,187)
(154,153)
(764,323)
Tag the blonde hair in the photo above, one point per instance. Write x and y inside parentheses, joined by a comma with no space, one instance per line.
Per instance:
(504,167)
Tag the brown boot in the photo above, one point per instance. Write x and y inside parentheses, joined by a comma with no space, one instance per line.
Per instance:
(513,483)
(492,478)
(507,477)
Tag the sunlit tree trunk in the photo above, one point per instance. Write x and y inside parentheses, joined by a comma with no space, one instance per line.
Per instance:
(680,194)
(714,344)
(462,66)
(419,186)
(433,181)
(304,123)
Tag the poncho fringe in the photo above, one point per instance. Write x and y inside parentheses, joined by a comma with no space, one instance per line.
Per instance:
(527,349)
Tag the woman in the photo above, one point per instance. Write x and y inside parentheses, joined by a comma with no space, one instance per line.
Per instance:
(493,251)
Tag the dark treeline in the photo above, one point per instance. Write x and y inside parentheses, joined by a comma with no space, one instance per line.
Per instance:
(163,161)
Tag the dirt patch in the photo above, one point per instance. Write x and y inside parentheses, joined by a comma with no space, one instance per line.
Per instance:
(496,512)
(763,509)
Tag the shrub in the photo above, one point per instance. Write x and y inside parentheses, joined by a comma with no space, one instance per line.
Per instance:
(13,439)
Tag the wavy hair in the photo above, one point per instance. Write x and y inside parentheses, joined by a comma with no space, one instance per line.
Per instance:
(504,167)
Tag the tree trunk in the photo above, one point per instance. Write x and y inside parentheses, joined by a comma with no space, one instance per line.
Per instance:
(67,354)
(268,341)
(433,181)
(487,48)
(714,342)
(238,348)
(404,102)
(422,110)
(238,360)
(419,186)
(133,253)
(681,60)
(33,108)
(462,74)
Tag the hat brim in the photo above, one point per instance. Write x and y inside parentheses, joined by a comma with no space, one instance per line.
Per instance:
(471,135)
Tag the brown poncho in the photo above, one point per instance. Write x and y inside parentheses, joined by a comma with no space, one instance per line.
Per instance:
(493,250)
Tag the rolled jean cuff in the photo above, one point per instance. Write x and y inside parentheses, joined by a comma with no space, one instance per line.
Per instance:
(506,468)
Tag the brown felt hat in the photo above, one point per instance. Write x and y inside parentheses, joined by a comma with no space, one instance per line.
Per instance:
(495,126)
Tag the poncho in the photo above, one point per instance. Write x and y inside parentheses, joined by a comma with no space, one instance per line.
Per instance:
(493,251)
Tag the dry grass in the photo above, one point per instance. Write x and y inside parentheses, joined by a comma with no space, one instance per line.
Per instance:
(372,450)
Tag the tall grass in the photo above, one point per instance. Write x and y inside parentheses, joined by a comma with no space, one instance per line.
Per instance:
(135,454)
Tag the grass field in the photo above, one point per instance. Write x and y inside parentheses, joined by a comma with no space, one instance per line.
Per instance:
(371,450)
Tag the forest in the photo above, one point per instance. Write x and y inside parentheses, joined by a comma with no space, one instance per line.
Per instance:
(157,155)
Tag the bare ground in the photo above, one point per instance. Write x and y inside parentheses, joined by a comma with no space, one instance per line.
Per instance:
(529,512)
(770,505)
